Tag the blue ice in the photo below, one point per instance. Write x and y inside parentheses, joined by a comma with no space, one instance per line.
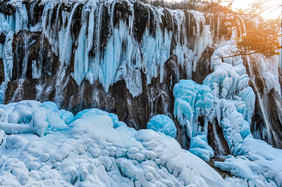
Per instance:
(162,123)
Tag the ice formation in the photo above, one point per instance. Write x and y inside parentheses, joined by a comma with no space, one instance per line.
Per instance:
(43,145)
(110,43)
(226,97)
(33,117)
(162,123)
(269,70)
(105,42)
(191,102)
(94,149)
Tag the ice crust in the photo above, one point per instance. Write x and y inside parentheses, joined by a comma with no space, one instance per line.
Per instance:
(96,149)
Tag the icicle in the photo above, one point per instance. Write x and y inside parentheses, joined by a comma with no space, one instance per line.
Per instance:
(7,55)
(81,56)
(122,57)
(65,39)
(21,18)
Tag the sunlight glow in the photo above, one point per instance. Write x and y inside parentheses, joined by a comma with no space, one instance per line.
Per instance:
(272,7)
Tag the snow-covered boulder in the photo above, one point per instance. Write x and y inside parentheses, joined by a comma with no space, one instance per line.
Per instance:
(162,123)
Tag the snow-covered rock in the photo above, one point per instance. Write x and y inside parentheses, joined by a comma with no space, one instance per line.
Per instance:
(162,123)
(91,152)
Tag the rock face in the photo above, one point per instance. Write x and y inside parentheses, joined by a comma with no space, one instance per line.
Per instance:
(120,56)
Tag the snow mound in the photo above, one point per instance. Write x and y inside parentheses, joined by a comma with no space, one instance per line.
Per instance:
(162,123)
(33,117)
(257,162)
(96,149)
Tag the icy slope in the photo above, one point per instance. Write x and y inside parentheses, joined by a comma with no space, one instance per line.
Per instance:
(96,149)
